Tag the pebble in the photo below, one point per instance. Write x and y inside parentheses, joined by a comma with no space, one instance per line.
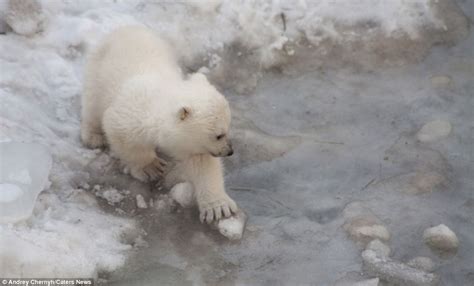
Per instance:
(422,263)
(434,130)
(441,238)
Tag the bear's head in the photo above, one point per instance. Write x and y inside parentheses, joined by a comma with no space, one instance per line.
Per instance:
(201,121)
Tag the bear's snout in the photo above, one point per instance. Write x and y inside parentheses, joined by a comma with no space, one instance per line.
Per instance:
(230,150)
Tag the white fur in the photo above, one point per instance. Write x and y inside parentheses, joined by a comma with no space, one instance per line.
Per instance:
(136,100)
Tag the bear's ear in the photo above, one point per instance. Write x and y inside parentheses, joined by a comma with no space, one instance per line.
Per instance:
(184,112)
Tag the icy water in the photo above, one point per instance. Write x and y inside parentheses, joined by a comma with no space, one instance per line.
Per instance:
(310,143)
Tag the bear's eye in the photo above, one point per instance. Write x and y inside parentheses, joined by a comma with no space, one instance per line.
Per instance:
(219,137)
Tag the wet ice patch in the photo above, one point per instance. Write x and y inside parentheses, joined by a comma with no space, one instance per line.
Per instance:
(9,193)
(24,171)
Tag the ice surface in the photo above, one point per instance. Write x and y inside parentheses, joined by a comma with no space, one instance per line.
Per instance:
(24,171)
(335,93)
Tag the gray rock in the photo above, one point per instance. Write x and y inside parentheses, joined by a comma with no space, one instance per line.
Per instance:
(441,238)
(396,272)
(422,263)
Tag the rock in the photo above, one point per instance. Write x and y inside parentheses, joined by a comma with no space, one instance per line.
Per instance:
(422,263)
(183,194)
(141,202)
(362,225)
(25,17)
(434,130)
(441,238)
(379,247)
(441,81)
(395,272)
(232,227)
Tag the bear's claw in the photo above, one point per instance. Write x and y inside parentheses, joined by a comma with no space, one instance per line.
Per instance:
(216,210)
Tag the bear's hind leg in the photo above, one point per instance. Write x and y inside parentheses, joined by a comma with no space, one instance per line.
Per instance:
(140,158)
(92,135)
(151,172)
(142,165)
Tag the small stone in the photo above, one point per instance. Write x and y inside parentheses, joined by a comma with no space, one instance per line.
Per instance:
(422,263)
(441,238)
(441,81)
(434,130)
(379,247)
(141,202)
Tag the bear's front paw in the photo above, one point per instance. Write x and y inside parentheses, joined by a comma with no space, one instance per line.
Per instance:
(215,209)
(151,172)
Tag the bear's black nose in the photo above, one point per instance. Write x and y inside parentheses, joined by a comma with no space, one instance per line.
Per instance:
(230,152)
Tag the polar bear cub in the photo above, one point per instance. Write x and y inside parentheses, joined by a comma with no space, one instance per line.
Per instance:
(137,101)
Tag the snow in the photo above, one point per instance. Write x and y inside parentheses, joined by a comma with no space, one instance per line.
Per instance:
(112,196)
(141,202)
(327,98)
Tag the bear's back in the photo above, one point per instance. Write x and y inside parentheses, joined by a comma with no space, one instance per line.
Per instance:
(126,53)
